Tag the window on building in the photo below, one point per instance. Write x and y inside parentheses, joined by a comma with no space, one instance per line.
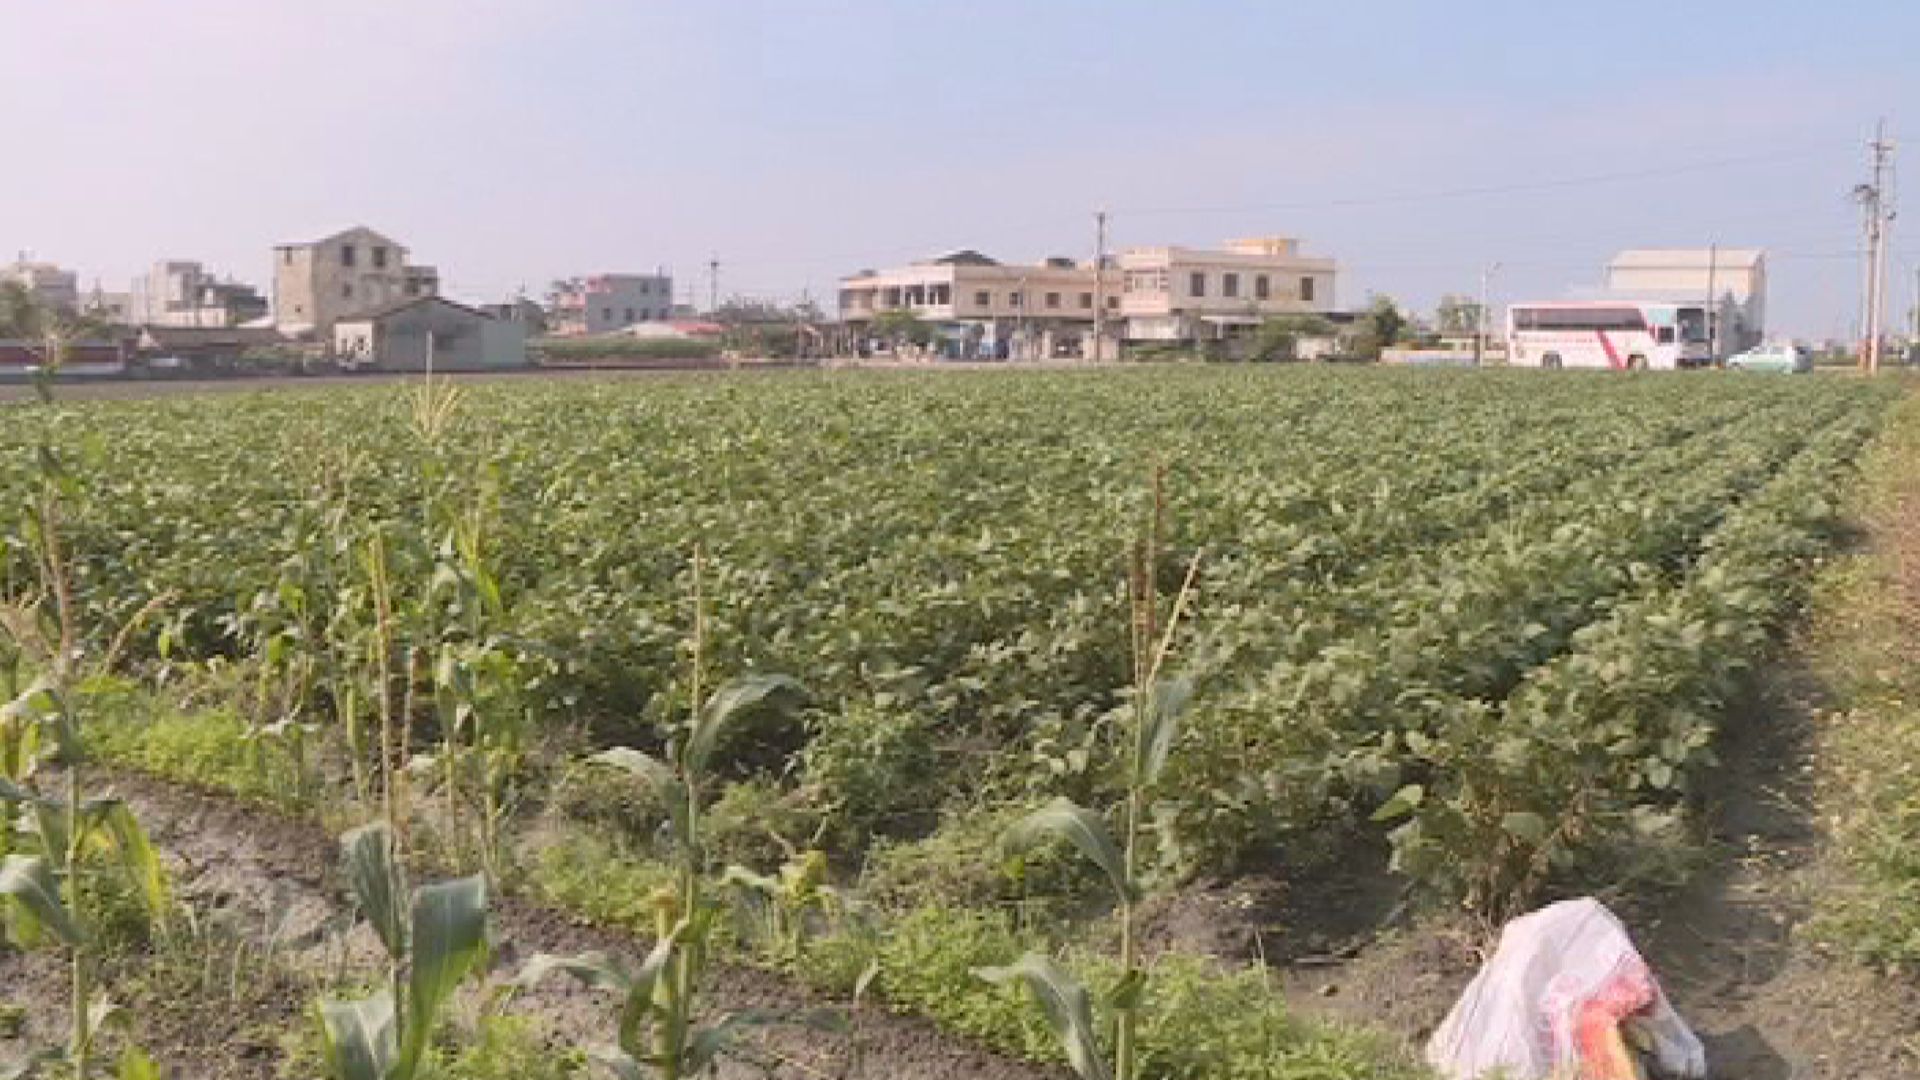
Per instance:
(1113,303)
(606,314)
(346,291)
(629,314)
(380,258)
(1306,289)
(1262,287)
(983,298)
(1230,285)
(1086,300)
(1013,299)
(645,287)
(1197,284)
(1053,300)
(346,254)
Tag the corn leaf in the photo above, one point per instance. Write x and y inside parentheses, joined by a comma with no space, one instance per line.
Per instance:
(29,882)
(728,704)
(137,856)
(449,941)
(1166,703)
(357,1037)
(657,775)
(1062,819)
(378,884)
(1068,1008)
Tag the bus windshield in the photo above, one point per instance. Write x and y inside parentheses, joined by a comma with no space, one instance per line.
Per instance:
(1693,324)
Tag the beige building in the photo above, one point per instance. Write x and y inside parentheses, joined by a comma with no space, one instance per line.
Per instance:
(414,333)
(1193,294)
(1734,278)
(980,308)
(317,284)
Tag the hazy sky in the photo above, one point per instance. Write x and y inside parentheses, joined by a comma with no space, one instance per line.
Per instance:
(514,141)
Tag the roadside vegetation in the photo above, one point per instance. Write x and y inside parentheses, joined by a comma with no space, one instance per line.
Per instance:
(915,689)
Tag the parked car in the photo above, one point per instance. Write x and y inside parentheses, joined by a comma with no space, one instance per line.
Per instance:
(1783,357)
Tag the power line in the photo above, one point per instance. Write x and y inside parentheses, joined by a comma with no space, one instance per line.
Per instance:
(1479,191)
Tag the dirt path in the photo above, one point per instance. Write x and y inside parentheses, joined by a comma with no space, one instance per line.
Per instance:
(253,867)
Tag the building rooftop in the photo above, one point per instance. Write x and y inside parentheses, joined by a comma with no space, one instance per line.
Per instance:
(1685,258)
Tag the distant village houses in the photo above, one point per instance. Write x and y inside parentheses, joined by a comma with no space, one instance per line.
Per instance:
(984,309)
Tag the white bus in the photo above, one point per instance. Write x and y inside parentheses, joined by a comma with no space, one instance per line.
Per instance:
(1621,334)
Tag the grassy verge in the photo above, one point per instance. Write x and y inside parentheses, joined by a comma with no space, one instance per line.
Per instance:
(1863,648)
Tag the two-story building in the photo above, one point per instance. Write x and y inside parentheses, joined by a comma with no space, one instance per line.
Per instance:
(316,284)
(1179,294)
(607,302)
(981,308)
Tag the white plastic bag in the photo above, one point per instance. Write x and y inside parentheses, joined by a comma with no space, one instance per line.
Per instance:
(1563,997)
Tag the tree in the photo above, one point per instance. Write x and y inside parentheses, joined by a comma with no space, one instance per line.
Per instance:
(21,313)
(1378,328)
(1457,315)
(1278,338)
(902,327)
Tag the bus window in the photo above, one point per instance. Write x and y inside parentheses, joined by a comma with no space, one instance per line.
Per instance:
(1663,335)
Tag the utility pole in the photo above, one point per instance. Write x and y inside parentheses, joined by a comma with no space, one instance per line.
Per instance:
(1877,212)
(713,284)
(1713,304)
(1099,285)
(1480,316)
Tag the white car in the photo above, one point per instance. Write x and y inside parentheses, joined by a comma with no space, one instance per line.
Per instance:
(1783,357)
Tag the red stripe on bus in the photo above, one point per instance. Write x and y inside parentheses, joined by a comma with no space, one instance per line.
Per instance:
(1613,358)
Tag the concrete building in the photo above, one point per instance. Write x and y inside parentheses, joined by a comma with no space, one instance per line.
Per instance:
(1734,278)
(411,333)
(1177,294)
(318,283)
(603,303)
(178,292)
(981,308)
(55,288)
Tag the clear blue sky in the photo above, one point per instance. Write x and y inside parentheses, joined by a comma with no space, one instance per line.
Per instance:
(510,142)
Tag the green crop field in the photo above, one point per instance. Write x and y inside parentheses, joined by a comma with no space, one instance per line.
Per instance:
(1404,577)
(1488,621)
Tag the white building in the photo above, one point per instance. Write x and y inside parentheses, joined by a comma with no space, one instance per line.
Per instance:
(1734,278)
(1193,294)
(178,292)
(607,302)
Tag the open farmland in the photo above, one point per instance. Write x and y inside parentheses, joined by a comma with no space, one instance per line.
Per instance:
(1484,624)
